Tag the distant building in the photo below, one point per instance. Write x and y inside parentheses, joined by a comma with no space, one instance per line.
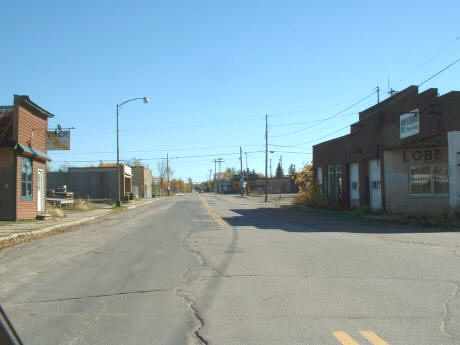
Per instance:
(23,159)
(97,183)
(142,181)
(401,156)
(257,184)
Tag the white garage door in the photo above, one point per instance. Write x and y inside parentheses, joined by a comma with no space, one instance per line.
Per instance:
(354,181)
(375,184)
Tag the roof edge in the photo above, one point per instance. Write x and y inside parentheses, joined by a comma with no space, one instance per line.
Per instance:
(26,100)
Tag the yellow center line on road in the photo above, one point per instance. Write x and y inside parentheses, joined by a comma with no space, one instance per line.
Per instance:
(373,338)
(214,215)
(344,338)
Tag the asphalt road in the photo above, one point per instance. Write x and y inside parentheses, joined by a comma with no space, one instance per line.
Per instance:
(205,269)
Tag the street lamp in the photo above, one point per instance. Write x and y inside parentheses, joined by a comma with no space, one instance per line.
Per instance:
(146,101)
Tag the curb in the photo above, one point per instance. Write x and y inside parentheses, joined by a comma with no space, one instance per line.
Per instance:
(51,228)
(144,203)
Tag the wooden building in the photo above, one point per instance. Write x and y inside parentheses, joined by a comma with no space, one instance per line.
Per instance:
(23,159)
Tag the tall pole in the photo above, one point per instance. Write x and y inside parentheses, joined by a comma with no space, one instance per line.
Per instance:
(118,165)
(167,169)
(247,169)
(215,176)
(146,100)
(271,167)
(241,163)
(220,160)
(282,173)
(266,157)
(378,94)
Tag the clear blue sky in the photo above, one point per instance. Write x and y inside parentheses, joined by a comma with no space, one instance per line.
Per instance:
(213,69)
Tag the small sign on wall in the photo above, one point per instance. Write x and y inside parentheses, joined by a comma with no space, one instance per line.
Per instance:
(409,124)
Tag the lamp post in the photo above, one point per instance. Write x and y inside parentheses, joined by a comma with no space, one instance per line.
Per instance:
(145,100)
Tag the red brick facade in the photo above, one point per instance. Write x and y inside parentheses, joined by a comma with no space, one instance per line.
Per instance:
(28,139)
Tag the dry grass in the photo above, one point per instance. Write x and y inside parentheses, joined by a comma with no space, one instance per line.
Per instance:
(82,205)
(54,212)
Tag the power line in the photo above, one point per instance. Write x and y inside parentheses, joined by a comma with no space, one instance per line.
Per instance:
(162,150)
(397,97)
(429,59)
(176,127)
(304,122)
(327,118)
(149,159)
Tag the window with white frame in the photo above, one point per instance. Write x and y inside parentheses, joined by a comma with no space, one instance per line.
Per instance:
(429,179)
(26,179)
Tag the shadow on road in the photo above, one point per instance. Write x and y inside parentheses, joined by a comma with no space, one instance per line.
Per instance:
(311,220)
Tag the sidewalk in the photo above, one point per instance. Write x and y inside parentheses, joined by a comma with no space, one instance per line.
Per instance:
(24,231)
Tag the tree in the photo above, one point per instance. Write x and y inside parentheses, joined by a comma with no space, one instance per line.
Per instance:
(309,191)
(291,170)
(134,162)
(279,171)
(305,179)
(228,174)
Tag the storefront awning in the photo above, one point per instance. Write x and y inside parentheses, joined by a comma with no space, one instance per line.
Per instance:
(33,152)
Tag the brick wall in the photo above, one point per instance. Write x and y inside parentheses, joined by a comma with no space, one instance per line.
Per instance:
(28,123)
(31,131)
(28,208)
(7,184)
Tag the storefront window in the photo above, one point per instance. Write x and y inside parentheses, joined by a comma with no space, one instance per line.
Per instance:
(338,181)
(330,181)
(429,179)
(26,179)
(441,179)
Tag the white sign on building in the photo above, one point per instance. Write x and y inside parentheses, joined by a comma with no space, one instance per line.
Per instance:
(453,140)
(58,140)
(409,124)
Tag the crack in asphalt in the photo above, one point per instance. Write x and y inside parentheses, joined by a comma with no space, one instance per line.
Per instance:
(193,337)
(446,317)
(63,299)
(452,249)
(330,277)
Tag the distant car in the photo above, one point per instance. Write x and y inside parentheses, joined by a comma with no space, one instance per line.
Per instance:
(180,194)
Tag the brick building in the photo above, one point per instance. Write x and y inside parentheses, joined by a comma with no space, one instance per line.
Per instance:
(23,159)
(142,181)
(401,156)
(96,183)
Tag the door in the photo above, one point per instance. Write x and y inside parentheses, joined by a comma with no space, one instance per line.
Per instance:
(354,185)
(319,176)
(375,184)
(40,195)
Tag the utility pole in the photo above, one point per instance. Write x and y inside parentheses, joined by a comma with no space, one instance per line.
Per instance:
(241,163)
(378,94)
(167,170)
(247,169)
(271,168)
(209,180)
(391,92)
(215,176)
(220,160)
(266,157)
(282,173)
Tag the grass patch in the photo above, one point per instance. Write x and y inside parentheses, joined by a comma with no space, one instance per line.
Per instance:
(82,205)
(55,212)
(444,220)
(21,221)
